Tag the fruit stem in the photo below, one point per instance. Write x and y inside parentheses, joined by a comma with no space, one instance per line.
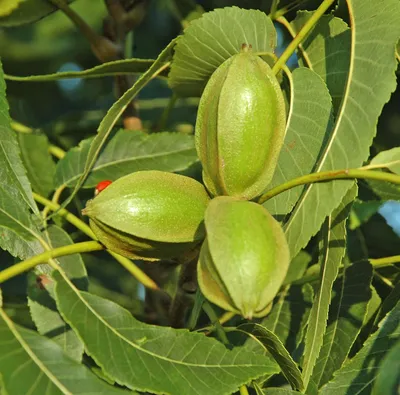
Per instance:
(301,35)
(28,264)
(330,176)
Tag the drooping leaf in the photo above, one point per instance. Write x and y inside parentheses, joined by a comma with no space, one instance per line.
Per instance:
(126,152)
(307,129)
(351,295)
(116,111)
(389,159)
(358,375)
(151,358)
(41,296)
(212,39)
(275,347)
(32,364)
(369,83)
(388,378)
(116,67)
(17,229)
(28,11)
(332,251)
(38,162)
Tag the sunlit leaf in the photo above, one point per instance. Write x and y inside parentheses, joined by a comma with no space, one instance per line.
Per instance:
(212,39)
(306,133)
(369,83)
(154,358)
(389,159)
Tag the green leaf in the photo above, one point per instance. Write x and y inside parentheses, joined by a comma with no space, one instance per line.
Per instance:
(272,343)
(369,83)
(388,304)
(116,111)
(17,229)
(127,152)
(28,11)
(297,267)
(362,212)
(389,159)
(41,297)
(307,127)
(212,39)
(288,317)
(32,364)
(351,295)
(151,358)
(358,375)
(13,172)
(38,162)
(384,190)
(388,379)
(8,6)
(332,251)
(330,38)
(278,391)
(117,67)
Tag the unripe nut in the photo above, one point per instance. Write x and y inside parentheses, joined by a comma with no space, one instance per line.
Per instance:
(244,258)
(240,127)
(149,215)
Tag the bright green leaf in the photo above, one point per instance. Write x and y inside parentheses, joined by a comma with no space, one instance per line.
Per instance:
(307,128)
(126,152)
(151,358)
(329,39)
(389,159)
(357,376)
(212,39)
(370,81)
